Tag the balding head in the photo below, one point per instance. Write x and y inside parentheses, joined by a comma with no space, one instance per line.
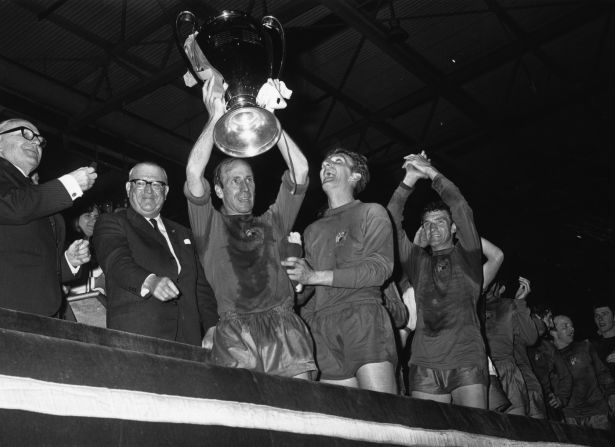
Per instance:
(563,331)
(18,150)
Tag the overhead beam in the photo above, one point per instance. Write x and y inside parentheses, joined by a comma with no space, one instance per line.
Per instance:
(126,127)
(374,120)
(487,63)
(519,33)
(152,83)
(409,59)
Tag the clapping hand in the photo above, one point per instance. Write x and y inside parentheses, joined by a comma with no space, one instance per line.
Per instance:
(78,252)
(524,288)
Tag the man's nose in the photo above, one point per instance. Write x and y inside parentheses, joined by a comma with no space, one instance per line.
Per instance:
(243,186)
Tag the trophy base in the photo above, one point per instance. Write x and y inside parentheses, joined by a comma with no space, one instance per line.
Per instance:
(247,131)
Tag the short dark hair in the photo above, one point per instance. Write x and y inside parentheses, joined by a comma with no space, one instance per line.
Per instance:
(359,165)
(603,304)
(220,167)
(437,205)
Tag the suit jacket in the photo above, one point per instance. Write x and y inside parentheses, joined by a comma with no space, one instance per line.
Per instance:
(32,262)
(129,249)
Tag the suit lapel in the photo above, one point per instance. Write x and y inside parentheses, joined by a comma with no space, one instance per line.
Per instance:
(174,237)
(146,228)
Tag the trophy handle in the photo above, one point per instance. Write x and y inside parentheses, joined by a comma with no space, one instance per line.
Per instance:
(190,18)
(270,23)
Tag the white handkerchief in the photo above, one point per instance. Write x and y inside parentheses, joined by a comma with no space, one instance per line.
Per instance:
(187,242)
(272,94)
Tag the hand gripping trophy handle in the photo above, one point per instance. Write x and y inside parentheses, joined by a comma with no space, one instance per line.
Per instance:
(189,18)
(245,53)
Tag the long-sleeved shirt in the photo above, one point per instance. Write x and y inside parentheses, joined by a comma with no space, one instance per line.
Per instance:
(507,320)
(551,370)
(241,254)
(447,286)
(592,382)
(355,241)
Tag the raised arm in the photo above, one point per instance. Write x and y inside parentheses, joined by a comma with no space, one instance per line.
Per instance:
(397,204)
(294,158)
(524,328)
(495,257)
(201,151)
(450,194)
(23,203)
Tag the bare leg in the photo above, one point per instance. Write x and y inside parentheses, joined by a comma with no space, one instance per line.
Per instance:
(305,376)
(377,377)
(442,398)
(474,396)
(350,383)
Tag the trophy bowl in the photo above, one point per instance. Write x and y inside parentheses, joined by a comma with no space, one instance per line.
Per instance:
(242,50)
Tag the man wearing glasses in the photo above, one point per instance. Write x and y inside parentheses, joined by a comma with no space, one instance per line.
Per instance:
(155,282)
(32,259)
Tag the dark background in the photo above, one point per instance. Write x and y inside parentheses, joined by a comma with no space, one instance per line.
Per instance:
(511,99)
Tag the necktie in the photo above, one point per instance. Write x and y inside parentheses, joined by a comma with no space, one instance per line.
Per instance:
(159,234)
(154,223)
(166,243)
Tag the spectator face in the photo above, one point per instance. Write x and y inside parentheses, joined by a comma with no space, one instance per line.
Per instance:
(148,199)
(87,221)
(439,229)
(237,192)
(603,317)
(563,332)
(21,152)
(548,319)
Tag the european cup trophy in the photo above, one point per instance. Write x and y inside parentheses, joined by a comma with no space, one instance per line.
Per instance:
(242,50)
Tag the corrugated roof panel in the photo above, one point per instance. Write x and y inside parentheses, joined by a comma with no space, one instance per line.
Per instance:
(45,47)
(340,117)
(377,80)
(448,41)
(330,59)
(309,17)
(93,82)
(192,127)
(103,20)
(155,106)
(121,79)
(141,14)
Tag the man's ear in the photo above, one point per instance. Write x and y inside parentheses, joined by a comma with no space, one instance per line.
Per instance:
(218,191)
(128,189)
(453,228)
(355,177)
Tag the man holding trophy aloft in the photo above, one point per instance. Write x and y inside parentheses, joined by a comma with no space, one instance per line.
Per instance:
(241,253)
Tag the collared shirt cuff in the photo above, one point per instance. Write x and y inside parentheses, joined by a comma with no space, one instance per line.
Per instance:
(144,290)
(71,185)
(73,270)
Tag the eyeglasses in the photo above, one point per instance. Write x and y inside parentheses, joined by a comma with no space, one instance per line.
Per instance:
(141,184)
(28,134)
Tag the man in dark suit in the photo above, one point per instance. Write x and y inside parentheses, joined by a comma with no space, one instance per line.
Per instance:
(32,257)
(155,282)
